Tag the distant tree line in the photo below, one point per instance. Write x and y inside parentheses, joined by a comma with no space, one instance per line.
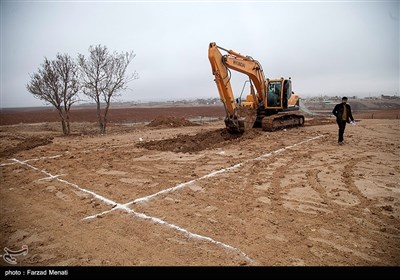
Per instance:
(101,76)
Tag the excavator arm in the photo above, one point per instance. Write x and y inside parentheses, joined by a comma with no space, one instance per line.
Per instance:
(238,119)
(222,79)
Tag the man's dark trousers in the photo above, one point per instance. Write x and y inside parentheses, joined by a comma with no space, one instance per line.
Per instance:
(342,126)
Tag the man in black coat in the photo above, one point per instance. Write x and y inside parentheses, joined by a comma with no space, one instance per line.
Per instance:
(342,111)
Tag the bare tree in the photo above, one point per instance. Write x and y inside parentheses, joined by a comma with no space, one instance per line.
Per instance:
(103,77)
(56,82)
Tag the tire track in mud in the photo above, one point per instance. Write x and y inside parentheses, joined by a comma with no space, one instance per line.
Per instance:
(366,203)
(346,213)
(347,177)
(344,216)
(335,228)
(312,177)
(291,223)
(350,214)
(355,222)
(276,187)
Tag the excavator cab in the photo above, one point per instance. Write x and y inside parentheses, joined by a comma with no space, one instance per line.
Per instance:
(274,95)
(278,94)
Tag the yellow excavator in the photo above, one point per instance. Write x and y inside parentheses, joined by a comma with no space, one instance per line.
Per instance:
(272,106)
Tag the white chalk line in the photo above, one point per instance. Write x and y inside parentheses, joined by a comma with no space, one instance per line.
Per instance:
(185,232)
(179,186)
(285,148)
(126,208)
(212,174)
(95,195)
(139,215)
(32,159)
(49,178)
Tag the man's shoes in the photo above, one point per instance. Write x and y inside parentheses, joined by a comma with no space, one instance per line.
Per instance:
(341,143)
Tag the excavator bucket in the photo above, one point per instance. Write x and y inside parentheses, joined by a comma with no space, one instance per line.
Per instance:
(243,120)
(247,117)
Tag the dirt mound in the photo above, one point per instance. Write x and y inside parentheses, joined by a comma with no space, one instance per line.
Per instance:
(201,141)
(24,144)
(170,121)
(319,121)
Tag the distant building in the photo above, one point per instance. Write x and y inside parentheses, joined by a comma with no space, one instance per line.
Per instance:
(389,97)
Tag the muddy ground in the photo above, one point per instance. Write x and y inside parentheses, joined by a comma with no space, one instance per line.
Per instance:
(196,196)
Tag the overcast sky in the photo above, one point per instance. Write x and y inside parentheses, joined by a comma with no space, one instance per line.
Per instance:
(330,48)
